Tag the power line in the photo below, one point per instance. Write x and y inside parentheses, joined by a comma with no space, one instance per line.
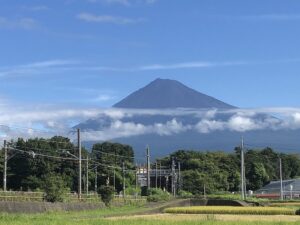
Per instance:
(40,149)
(33,154)
(121,156)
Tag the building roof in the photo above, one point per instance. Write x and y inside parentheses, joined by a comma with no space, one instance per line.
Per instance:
(274,187)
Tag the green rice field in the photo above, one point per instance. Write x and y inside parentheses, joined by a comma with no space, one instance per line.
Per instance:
(131,215)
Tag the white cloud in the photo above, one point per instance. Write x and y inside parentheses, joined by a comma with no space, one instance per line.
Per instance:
(21,23)
(273,17)
(51,120)
(36,67)
(103,98)
(124,2)
(61,65)
(242,124)
(207,126)
(36,8)
(88,17)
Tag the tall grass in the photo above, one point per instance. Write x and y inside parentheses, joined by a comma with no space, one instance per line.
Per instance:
(231,210)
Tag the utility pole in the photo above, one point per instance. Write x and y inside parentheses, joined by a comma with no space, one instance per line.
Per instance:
(156,173)
(136,177)
(160,175)
(148,168)
(87,176)
(115,170)
(179,176)
(79,163)
(124,186)
(281,185)
(173,178)
(242,171)
(5,166)
(96,179)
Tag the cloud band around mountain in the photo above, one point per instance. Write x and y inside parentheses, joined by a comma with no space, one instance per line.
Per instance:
(60,122)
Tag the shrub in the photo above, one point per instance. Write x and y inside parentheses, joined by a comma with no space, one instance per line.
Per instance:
(107,194)
(144,191)
(133,191)
(157,195)
(231,210)
(55,188)
(185,194)
(297,212)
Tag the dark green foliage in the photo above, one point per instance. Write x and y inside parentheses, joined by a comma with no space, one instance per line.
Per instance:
(185,194)
(220,172)
(107,194)
(157,195)
(144,191)
(108,153)
(55,188)
(297,212)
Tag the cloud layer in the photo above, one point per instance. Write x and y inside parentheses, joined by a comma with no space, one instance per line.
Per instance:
(48,121)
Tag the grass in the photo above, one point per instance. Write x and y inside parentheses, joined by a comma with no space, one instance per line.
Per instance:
(97,218)
(236,197)
(125,216)
(231,210)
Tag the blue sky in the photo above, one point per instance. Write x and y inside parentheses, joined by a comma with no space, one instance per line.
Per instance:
(62,59)
(92,53)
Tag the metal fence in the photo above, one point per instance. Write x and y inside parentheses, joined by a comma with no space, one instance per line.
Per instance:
(27,196)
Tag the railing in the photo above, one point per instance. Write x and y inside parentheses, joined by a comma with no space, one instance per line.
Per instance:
(22,196)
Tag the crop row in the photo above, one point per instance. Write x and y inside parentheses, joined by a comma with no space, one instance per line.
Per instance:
(231,210)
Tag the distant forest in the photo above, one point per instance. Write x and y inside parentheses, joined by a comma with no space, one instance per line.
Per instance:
(32,161)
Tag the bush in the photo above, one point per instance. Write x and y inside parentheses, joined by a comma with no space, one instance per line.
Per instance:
(157,195)
(231,210)
(107,194)
(185,194)
(297,212)
(55,188)
(133,191)
(144,191)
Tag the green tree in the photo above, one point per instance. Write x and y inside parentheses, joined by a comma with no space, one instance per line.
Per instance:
(55,188)
(107,194)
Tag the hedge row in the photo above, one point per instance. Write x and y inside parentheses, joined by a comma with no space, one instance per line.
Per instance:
(231,210)
(279,204)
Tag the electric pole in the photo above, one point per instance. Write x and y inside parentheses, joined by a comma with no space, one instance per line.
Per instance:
(96,179)
(179,176)
(148,168)
(136,180)
(160,175)
(115,170)
(173,178)
(124,186)
(242,171)
(5,166)
(79,163)
(87,176)
(281,185)
(156,173)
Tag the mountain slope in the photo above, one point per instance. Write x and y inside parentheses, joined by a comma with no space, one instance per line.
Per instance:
(202,122)
(165,93)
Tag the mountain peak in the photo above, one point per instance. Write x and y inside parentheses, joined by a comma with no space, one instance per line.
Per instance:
(166,93)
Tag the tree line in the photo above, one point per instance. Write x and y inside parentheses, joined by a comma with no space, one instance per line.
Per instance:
(35,160)
(220,171)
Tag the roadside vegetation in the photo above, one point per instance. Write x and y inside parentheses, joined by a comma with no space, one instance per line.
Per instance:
(231,210)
